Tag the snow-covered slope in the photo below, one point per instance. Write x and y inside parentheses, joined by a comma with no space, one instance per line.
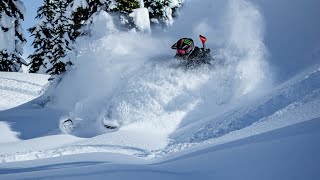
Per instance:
(295,101)
(287,153)
(19,88)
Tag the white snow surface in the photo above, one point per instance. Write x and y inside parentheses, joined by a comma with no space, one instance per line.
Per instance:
(228,122)
(19,88)
(141,18)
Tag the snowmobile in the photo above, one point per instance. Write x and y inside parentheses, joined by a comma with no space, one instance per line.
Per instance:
(191,55)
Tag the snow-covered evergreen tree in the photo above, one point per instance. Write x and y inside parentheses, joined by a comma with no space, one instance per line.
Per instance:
(11,35)
(52,42)
(126,6)
(81,11)
(63,21)
(61,41)
(162,12)
(43,34)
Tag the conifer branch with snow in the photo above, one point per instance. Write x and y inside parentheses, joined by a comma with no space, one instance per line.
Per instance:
(12,38)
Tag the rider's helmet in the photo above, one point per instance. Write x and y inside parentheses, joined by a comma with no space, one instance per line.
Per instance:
(184,46)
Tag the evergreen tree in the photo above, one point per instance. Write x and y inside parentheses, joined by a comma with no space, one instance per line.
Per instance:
(61,41)
(81,11)
(43,34)
(162,12)
(11,35)
(52,42)
(63,21)
(126,6)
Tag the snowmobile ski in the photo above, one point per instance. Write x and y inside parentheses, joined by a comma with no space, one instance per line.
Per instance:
(67,126)
(110,127)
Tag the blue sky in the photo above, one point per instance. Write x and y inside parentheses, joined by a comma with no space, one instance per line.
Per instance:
(31,7)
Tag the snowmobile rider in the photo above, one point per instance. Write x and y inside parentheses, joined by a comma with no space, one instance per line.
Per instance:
(186,50)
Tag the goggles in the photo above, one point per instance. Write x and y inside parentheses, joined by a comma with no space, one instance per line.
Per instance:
(181,51)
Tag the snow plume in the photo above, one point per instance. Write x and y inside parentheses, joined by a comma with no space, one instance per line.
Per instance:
(103,70)
(245,45)
(101,64)
(128,78)
(235,33)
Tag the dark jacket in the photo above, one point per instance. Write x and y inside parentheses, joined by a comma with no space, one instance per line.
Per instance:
(198,55)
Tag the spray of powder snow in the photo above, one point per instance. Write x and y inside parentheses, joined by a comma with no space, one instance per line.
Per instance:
(246,43)
(239,31)
(235,32)
(129,79)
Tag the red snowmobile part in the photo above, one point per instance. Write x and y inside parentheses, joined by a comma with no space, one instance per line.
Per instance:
(203,39)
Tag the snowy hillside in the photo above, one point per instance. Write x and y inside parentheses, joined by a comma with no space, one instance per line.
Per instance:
(229,121)
(18,88)
(289,152)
